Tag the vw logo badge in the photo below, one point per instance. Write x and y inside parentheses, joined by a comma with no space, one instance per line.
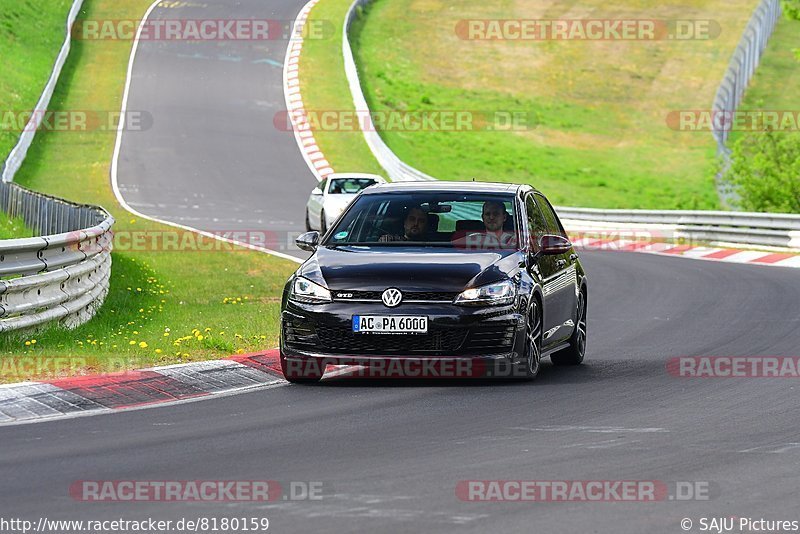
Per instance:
(392,297)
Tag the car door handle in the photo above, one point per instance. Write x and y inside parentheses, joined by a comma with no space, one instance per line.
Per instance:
(573,257)
(561,263)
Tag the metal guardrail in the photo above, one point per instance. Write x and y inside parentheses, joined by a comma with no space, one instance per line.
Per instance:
(61,276)
(760,229)
(18,153)
(741,68)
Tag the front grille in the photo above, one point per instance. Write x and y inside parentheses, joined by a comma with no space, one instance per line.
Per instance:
(343,340)
(441,296)
(490,338)
(430,295)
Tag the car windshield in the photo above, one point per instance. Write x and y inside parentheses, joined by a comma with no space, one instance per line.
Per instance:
(349,186)
(469,221)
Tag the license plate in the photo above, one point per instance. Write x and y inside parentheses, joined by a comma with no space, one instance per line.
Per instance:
(390,324)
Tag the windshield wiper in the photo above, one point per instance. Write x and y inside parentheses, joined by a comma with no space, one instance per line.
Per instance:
(390,244)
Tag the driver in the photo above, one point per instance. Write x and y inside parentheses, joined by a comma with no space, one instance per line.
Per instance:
(415,227)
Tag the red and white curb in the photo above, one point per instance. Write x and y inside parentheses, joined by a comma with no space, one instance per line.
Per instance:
(91,395)
(294,102)
(726,255)
(30,402)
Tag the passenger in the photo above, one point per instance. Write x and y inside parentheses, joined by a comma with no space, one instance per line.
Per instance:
(494,217)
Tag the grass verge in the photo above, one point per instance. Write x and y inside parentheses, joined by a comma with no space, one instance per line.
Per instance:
(163,307)
(600,109)
(12,228)
(31,34)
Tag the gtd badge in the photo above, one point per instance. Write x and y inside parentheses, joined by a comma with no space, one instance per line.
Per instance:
(392,297)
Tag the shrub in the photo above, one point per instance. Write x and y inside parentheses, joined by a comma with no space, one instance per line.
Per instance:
(791,9)
(765,171)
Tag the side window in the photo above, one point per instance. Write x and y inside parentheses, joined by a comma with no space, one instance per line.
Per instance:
(323,185)
(551,220)
(536,223)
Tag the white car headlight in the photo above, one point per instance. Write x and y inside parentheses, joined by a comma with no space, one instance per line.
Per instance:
(304,290)
(332,211)
(495,294)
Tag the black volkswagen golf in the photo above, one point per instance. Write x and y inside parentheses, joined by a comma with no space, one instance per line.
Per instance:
(480,276)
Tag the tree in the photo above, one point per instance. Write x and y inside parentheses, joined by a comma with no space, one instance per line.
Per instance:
(765,171)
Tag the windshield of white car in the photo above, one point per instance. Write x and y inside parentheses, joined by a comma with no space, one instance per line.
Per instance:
(349,186)
(468,221)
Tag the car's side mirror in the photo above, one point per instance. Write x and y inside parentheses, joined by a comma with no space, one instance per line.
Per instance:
(553,245)
(308,241)
(316,191)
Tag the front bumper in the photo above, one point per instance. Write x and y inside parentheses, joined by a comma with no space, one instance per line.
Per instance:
(462,340)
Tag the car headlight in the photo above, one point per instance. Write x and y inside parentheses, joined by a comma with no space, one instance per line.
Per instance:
(304,290)
(495,294)
(332,213)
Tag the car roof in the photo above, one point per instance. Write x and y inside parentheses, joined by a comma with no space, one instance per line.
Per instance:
(442,186)
(355,175)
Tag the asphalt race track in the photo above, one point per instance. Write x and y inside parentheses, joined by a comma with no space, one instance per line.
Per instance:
(390,453)
(213,159)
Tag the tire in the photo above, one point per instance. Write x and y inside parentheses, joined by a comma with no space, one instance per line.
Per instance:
(308,222)
(301,374)
(323,226)
(575,353)
(533,342)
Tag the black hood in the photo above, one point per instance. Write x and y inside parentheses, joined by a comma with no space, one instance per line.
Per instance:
(409,268)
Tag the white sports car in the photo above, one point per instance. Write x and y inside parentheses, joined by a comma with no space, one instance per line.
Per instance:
(333,194)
